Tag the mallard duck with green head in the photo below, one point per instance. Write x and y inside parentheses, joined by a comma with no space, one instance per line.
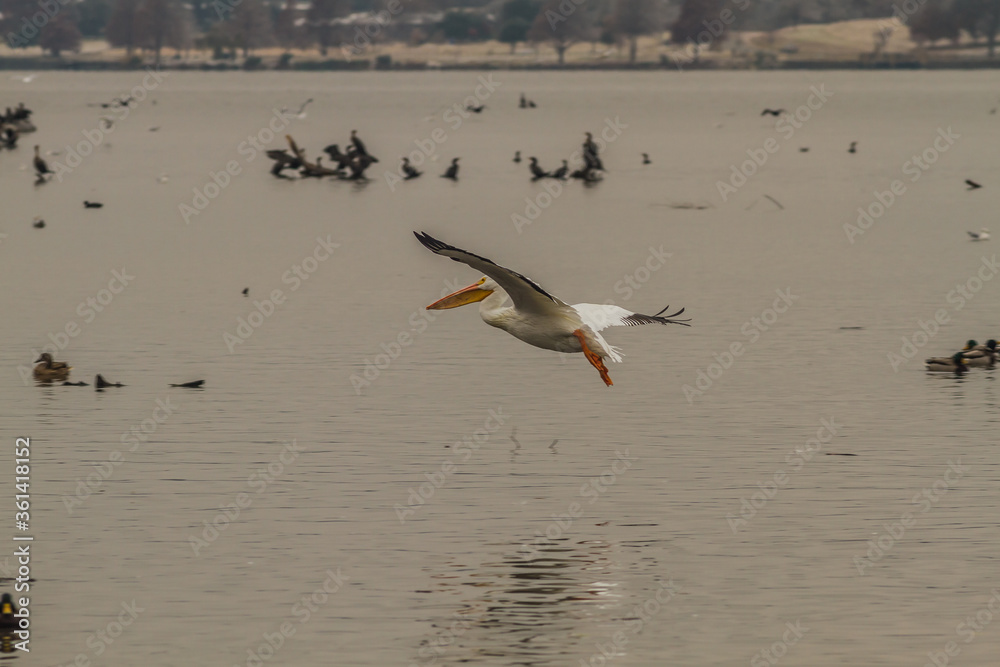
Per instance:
(49,370)
(953,364)
(8,620)
(981,356)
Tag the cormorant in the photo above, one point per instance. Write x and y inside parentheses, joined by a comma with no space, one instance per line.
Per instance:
(517,157)
(41,168)
(645,159)
(100,383)
(853,148)
(452,171)
(196,384)
(536,171)
(560,173)
(92,204)
(409,170)
(972,184)
(772,112)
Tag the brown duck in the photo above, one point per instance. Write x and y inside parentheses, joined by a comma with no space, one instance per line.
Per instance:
(49,370)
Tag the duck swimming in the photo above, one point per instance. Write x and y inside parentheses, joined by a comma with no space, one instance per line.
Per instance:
(980,356)
(452,171)
(8,620)
(954,364)
(49,370)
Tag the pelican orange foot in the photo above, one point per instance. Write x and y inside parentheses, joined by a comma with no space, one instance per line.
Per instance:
(594,360)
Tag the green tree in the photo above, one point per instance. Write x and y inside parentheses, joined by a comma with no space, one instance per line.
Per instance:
(123,25)
(514,31)
(562,24)
(696,16)
(94,16)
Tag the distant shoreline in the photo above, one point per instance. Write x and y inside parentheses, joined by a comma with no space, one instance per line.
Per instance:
(379,65)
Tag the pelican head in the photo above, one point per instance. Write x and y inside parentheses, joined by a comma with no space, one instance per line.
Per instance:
(477,291)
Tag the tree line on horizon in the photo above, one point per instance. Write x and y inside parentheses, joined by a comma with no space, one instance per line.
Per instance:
(230,26)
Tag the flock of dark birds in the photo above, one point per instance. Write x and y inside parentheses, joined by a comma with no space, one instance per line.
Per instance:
(14,123)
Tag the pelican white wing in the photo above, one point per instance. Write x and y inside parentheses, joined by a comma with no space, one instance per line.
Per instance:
(599,317)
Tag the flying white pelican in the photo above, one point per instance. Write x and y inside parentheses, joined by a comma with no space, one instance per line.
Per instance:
(537,317)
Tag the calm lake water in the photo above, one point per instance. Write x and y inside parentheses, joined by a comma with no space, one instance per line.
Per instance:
(463,497)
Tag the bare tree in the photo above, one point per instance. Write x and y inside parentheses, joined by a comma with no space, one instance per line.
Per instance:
(250,26)
(61,34)
(123,26)
(161,24)
(562,24)
(634,18)
(695,16)
(320,18)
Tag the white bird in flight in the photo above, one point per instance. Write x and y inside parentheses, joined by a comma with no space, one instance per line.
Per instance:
(982,235)
(537,317)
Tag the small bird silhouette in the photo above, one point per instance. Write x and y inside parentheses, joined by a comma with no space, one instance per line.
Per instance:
(196,384)
(100,383)
(972,184)
(38,223)
(772,112)
(853,148)
(92,204)
(645,159)
(246,291)
(517,157)
(452,171)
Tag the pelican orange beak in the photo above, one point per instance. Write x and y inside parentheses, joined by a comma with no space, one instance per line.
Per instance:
(462,297)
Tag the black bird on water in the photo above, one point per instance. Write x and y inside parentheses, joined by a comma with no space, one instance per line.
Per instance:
(536,171)
(38,223)
(972,184)
(772,112)
(409,170)
(92,204)
(283,160)
(100,383)
(342,159)
(452,172)
(517,157)
(853,148)
(8,137)
(561,172)
(359,146)
(196,384)
(473,109)
(41,167)
(246,291)
(645,159)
